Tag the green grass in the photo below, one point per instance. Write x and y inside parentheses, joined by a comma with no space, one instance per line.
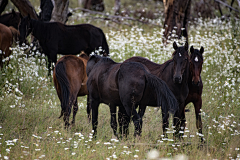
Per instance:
(29,106)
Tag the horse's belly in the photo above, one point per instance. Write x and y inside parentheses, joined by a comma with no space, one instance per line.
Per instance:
(83,91)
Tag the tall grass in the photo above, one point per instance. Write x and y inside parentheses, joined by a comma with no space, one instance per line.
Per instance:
(29,108)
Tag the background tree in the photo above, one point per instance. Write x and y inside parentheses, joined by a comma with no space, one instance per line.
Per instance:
(177,15)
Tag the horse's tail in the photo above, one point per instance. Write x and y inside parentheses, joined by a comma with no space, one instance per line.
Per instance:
(60,72)
(104,44)
(165,97)
(15,33)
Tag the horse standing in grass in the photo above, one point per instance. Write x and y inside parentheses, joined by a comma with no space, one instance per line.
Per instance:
(8,35)
(57,38)
(125,85)
(195,84)
(70,78)
(175,72)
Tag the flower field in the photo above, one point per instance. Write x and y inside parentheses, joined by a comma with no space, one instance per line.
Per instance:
(29,106)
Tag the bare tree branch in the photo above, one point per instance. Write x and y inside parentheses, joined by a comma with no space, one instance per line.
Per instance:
(225,4)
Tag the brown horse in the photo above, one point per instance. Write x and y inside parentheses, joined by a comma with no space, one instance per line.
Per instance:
(69,77)
(195,85)
(175,73)
(8,35)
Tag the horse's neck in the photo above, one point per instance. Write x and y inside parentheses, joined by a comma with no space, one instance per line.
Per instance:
(37,26)
(164,66)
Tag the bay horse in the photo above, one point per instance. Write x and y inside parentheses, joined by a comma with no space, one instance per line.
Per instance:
(11,19)
(195,85)
(8,35)
(175,72)
(69,77)
(57,38)
(125,85)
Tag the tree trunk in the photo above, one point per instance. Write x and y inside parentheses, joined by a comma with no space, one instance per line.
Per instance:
(117,7)
(176,18)
(96,5)
(3,4)
(46,7)
(25,8)
(60,11)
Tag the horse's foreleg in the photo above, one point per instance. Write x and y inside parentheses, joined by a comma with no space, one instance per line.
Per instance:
(113,119)
(198,106)
(75,109)
(165,123)
(176,124)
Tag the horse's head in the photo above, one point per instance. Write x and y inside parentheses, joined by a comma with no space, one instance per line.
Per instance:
(25,28)
(91,62)
(196,61)
(11,19)
(181,62)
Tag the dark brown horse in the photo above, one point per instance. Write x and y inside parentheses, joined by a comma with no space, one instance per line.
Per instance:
(175,72)
(125,85)
(70,78)
(8,35)
(195,85)
(11,19)
(57,38)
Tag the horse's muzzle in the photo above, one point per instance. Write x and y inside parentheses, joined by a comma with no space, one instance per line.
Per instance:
(196,83)
(177,79)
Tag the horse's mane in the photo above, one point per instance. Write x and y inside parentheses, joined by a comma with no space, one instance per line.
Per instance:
(15,33)
(84,55)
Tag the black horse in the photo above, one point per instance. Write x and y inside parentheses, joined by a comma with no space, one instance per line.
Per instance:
(175,72)
(125,85)
(57,38)
(195,85)
(11,19)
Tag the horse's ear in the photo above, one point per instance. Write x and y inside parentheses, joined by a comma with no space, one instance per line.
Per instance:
(186,46)
(13,12)
(201,50)
(191,49)
(29,17)
(175,45)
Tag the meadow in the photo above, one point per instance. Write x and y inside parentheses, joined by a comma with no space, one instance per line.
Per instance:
(29,106)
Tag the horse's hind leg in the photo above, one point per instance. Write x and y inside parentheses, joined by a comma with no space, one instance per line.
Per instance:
(131,111)
(94,104)
(123,121)
(75,109)
(113,119)
(88,109)
(198,106)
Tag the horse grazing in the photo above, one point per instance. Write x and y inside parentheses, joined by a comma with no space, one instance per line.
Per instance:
(57,38)
(69,77)
(8,35)
(195,84)
(11,19)
(175,72)
(125,85)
